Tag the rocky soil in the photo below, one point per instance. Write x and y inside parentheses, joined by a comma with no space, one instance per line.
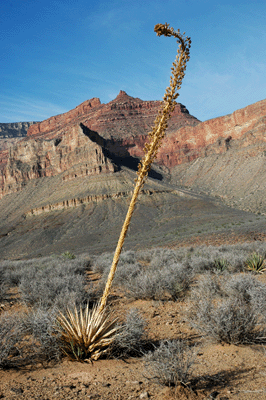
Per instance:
(86,214)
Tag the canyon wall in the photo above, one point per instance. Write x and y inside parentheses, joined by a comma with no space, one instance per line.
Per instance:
(93,138)
(227,158)
(14,129)
(97,138)
(11,133)
(244,127)
(73,154)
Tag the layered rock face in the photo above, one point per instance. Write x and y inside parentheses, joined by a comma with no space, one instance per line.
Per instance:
(73,154)
(97,138)
(11,133)
(226,158)
(91,139)
(14,129)
(244,127)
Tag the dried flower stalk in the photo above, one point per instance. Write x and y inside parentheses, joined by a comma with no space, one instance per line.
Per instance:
(155,137)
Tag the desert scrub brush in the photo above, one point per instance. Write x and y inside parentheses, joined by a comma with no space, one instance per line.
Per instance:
(155,137)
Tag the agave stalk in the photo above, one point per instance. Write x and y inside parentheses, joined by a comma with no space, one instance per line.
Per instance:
(155,138)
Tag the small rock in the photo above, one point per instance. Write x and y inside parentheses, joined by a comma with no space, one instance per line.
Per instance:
(105,384)
(144,395)
(214,394)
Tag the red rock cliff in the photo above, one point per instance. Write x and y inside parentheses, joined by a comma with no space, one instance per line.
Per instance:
(214,135)
(84,141)
(95,138)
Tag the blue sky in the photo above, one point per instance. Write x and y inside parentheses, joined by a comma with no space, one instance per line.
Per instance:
(56,54)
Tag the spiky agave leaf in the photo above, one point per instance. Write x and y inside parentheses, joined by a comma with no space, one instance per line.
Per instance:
(256,263)
(86,334)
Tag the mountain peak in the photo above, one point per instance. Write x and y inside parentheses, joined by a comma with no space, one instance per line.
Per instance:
(122,93)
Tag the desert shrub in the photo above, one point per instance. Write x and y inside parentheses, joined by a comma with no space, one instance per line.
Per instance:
(204,258)
(147,284)
(208,286)
(3,286)
(237,262)
(144,255)
(40,324)
(127,257)
(229,322)
(12,331)
(225,310)
(50,289)
(130,338)
(123,274)
(162,257)
(13,272)
(102,262)
(201,263)
(69,255)
(176,280)
(57,284)
(249,290)
(26,338)
(171,363)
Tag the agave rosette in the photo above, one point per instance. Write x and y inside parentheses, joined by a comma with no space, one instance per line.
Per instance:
(86,334)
